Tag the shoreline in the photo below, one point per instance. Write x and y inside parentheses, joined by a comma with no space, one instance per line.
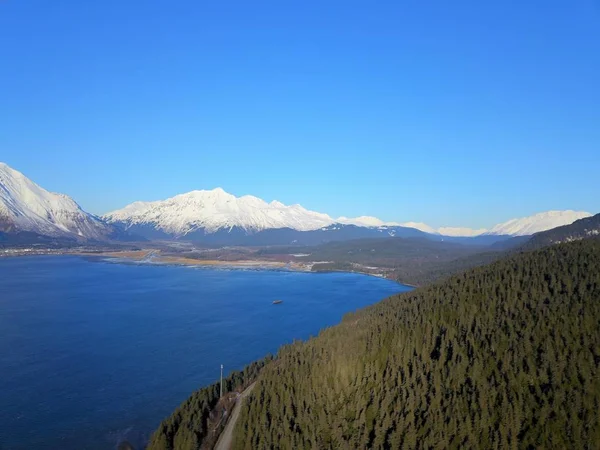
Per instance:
(153,257)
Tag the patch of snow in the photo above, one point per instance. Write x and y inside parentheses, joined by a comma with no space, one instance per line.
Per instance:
(460,231)
(419,226)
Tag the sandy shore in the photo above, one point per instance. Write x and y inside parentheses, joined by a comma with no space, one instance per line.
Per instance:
(215,262)
(135,255)
(155,257)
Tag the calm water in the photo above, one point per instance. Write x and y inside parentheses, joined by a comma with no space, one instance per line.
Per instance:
(92,352)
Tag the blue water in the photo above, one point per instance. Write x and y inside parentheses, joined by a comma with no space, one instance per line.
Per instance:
(92,352)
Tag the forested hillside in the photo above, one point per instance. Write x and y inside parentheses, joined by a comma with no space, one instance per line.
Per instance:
(188,427)
(502,356)
(414,261)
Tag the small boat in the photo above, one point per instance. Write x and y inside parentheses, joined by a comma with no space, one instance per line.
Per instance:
(277,302)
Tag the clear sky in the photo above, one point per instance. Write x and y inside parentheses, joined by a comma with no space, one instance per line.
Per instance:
(447,112)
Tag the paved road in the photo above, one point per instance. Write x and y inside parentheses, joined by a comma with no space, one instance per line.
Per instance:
(226,438)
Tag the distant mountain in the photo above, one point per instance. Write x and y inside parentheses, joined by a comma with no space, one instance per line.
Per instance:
(214,210)
(538,222)
(445,231)
(588,227)
(515,227)
(368,221)
(215,217)
(29,213)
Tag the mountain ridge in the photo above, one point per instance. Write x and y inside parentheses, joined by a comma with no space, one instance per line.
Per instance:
(523,226)
(586,228)
(213,210)
(202,214)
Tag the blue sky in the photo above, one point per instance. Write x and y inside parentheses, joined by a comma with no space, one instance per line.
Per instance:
(451,113)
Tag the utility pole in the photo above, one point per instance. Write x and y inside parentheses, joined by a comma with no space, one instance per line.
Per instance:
(221,381)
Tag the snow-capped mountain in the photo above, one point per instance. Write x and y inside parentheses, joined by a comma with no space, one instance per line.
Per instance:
(515,227)
(586,228)
(25,206)
(216,217)
(219,218)
(215,210)
(538,222)
(460,231)
(446,231)
(210,211)
(367,221)
(420,226)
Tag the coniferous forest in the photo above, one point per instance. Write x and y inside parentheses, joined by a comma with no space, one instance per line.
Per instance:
(188,427)
(502,356)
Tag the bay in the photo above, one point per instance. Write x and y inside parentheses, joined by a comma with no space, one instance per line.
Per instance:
(95,352)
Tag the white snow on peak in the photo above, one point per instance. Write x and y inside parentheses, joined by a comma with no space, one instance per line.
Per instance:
(211,210)
(445,231)
(538,222)
(365,221)
(420,226)
(460,231)
(514,227)
(26,206)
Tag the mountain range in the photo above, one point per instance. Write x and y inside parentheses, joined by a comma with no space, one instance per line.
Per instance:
(219,218)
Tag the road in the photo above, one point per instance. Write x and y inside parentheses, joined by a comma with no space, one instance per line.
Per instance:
(226,438)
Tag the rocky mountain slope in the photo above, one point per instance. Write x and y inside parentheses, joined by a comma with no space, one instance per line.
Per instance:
(26,207)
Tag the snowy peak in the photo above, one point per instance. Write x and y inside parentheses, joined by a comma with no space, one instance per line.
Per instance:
(445,231)
(216,209)
(461,231)
(420,226)
(586,228)
(515,227)
(366,221)
(211,210)
(26,206)
(538,222)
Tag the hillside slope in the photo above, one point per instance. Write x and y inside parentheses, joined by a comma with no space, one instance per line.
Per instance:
(197,422)
(505,355)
